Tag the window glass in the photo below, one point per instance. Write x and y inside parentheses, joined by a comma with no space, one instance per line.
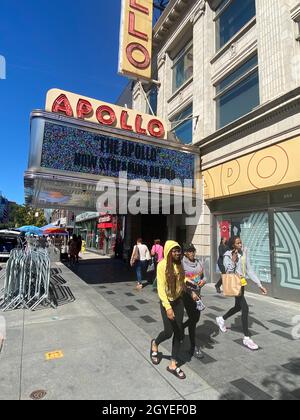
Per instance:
(287,249)
(238,101)
(233,16)
(152,98)
(183,68)
(253,229)
(235,75)
(184,129)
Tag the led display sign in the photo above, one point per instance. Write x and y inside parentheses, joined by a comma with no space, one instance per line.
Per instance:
(71,149)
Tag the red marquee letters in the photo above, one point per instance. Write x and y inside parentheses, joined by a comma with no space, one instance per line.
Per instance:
(62,105)
(107,116)
(136,46)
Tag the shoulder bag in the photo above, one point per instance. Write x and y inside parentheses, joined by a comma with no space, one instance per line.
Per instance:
(232,285)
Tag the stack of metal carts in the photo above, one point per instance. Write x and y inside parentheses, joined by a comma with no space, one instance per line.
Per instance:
(26,278)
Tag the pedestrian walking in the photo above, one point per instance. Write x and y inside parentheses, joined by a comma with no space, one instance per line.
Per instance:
(237,261)
(170,284)
(223,248)
(139,259)
(78,248)
(157,253)
(194,281)
(73,246)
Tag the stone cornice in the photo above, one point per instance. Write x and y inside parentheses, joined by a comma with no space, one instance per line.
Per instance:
(295,13)
(199,12)
(170,18)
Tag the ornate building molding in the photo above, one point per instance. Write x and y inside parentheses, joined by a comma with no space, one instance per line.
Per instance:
(199,12)
(162,60)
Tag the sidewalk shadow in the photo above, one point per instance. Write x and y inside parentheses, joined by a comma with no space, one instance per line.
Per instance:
(284,380)
(237,325)
(206,333)
(205,338)
(281,383)
(104,271)
(253,320)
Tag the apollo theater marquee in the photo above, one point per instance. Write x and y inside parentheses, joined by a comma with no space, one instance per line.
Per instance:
(78,141)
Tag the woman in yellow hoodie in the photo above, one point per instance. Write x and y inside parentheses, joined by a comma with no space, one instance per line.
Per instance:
(170,286)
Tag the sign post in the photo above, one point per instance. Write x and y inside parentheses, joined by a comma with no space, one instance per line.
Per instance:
(136,39)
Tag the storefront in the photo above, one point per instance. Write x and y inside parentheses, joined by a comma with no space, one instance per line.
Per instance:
(257,198)
(101,232)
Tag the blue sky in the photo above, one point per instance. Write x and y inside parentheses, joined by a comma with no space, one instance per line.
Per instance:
(68,44)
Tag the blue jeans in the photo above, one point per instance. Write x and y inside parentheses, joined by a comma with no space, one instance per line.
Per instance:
(140,270)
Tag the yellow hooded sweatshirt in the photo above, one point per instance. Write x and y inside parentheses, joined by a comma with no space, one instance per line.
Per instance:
(164,292)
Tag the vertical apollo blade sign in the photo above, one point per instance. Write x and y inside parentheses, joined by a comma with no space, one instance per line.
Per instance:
(136,39)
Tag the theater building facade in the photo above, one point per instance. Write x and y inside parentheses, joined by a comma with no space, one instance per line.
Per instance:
(81,148)
(225,94)
(229,74)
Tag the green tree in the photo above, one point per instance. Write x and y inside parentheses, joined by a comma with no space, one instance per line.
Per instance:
(27,216)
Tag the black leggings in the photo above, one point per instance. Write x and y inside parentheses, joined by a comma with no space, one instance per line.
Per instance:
(194,316)
(172,328)
(223,271)
(240,305)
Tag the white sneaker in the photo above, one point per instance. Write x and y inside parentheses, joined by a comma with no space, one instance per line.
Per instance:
(221,323)
(250,344)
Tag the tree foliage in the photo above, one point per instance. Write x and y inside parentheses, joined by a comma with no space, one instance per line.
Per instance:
(24,216)
(27,216)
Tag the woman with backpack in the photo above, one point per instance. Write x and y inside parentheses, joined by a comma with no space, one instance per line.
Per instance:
(223,248)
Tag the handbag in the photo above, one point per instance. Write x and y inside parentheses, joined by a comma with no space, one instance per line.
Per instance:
(135,256)
(232,285)
(155,256)
(151,266)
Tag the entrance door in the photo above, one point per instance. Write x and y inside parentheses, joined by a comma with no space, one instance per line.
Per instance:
(286,251)
(154,227)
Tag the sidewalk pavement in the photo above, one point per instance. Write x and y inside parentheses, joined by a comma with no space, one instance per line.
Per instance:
(103,328)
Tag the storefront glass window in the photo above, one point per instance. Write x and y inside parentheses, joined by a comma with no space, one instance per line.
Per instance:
(183,67)
(287,249)
(253,229)
(238,93)
(232,15)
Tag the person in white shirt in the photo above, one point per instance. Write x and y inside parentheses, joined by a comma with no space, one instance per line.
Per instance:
(139,259)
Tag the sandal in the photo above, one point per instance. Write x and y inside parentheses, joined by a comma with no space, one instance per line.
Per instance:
(177,372)
(154,355)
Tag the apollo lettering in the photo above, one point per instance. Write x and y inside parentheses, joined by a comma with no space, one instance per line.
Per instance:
(107,116)
(263,169)
(137,10)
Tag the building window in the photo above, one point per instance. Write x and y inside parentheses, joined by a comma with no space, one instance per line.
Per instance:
(298,31)
(152,98)
(253,229)
(295,14)
(183,67)
(231,16)
(238,93)
(182,126)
